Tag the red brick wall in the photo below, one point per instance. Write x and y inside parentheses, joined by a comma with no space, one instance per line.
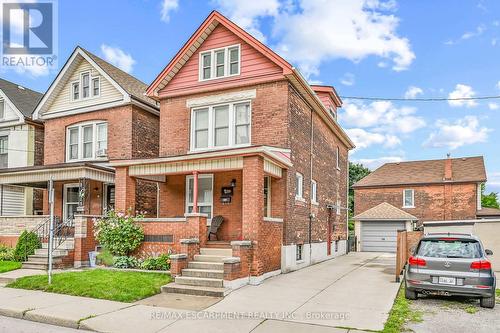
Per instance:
(269,118)
(431,203)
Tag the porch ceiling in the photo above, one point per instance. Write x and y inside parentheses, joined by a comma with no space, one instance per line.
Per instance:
(37,176)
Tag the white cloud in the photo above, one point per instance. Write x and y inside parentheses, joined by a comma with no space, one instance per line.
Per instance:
(462,91)
(35,71)
(364,139)
(374,163)
(309,32)
(246,13)
(493,106)
(498,85)
(348,79)
(413,92)
(118,57)
(455,134)
(168,6)
(480,29)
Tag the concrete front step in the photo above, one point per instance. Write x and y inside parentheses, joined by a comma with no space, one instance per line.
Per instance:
(44,258)
(217,252)
(35,265)
(203,273)
(208,258)
(194,290)
(218,245)
(45,252)
(206,265)
(199,282)
(63,246)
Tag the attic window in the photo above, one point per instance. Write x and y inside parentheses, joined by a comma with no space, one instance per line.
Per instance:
(219,63)
(332,113)
(87,86)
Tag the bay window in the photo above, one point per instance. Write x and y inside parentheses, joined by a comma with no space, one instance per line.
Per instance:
(87,141)
(220,126)
(219,63)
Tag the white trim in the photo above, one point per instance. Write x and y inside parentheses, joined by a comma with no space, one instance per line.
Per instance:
(86,109)
(211,126)
(65,197)
(80,126)
(221,98)
(273,219)
(479,197)
(412,198)
(314,192)
(338,157)
(213,64)
(186,195)
(13,107)
(267,180)
(299,186)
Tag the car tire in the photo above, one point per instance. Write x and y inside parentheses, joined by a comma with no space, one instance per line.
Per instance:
(410,294)
(487,302)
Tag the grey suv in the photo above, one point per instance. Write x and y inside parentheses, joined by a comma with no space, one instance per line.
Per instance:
(451,264)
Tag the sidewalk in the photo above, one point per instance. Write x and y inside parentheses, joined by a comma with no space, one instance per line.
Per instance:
(356,285)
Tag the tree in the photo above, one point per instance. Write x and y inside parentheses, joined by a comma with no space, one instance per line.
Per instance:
(489,200)
(357,171)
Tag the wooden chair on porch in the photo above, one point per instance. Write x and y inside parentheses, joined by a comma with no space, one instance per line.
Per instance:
(214,226)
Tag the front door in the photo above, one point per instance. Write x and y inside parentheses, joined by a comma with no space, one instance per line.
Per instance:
(70,202)
(109,198)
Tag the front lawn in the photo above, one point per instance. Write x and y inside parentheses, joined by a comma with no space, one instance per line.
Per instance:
(98,283)
(6,266)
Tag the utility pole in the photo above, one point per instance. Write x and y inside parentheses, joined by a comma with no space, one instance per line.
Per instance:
(51,227)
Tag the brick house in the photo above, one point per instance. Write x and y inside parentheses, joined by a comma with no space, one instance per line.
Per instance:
(92,112)
(243,137)
(416,191)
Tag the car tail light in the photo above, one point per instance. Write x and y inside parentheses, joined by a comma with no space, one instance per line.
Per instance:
(414,261)
(481,264)
(482,287)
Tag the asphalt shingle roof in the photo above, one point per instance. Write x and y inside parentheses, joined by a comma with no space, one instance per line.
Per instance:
(23,98)
(466,169)
(385,211)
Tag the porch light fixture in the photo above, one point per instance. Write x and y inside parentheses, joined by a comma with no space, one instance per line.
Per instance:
(233,183)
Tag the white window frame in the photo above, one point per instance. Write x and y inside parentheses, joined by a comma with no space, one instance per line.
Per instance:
(65,198)
(314,192)
(211,127)
(299,186)
(200,204)
(412,198)
(268,183)
(338,158)
(79,81)
(6,136)
(94,78)
(213,69)
(2,108)
(80,127)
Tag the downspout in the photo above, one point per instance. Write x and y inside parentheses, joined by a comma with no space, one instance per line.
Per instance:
(311,215)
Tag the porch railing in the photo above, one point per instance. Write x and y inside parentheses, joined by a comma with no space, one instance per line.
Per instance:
(62,231)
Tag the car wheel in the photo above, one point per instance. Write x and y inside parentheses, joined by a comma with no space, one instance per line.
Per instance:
(487,302)
(410,294)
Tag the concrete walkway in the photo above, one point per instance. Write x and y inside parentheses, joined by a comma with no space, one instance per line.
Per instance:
(356,291)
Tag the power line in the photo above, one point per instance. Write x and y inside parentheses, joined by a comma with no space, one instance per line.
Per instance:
(430,99)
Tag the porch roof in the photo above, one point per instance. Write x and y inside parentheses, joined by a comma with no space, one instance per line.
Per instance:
(275,159)
(38,176)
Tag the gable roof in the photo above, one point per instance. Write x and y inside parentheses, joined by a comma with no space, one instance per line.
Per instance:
(129,86)
(465,169)
(385,211)
(24,99)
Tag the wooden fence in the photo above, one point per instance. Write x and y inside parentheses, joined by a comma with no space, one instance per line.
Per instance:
(407,241)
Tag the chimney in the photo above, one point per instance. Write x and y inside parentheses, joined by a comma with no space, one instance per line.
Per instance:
(447,168)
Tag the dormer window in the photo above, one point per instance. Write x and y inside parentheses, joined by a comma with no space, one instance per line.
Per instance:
(332,113)
(86,87)
(219,63)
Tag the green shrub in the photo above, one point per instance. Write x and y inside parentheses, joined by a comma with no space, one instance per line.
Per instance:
(105,257)
(125,262)
(119,233)
(6,253)
(160,263)
(26,245)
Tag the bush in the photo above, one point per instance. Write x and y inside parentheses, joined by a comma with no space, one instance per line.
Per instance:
(105,257)
(160,263)
(125,262)
(119,233)
(6,253)
(26,245)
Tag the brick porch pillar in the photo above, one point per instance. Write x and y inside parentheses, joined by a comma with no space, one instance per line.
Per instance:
(125,190)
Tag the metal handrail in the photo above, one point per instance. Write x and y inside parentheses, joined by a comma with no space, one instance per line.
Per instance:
(62,231)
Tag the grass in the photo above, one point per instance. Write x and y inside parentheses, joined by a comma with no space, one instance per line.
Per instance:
(400,314)
(98,283)
(6,266)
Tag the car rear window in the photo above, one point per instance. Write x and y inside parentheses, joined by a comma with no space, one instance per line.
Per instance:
(439,248)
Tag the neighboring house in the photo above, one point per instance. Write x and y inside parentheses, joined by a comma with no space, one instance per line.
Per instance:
(21,145)
(245,137)
(92,112)
(428,190)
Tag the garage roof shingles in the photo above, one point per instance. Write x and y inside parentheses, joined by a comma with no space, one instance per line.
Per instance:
(383,212)
(466,169)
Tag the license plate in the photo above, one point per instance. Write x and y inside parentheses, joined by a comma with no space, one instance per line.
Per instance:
(447,280)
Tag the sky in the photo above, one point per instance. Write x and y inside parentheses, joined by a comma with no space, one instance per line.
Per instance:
(365,48)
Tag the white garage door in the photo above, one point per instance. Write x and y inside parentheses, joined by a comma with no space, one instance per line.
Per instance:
(380,236)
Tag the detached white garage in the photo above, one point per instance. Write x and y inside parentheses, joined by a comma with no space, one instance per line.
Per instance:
(377,228)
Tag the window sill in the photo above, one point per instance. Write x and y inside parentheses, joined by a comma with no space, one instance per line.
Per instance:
(338,168)
(200,79)
(300,199)
(100,159)
(301,261)
(207,150)
(408,207)
(314,203)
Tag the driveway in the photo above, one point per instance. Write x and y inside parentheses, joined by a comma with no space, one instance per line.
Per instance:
(356,291)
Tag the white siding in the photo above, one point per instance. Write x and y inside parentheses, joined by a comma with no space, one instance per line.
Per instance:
(64,102)
(21,145)
(10,114)
(12,201)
